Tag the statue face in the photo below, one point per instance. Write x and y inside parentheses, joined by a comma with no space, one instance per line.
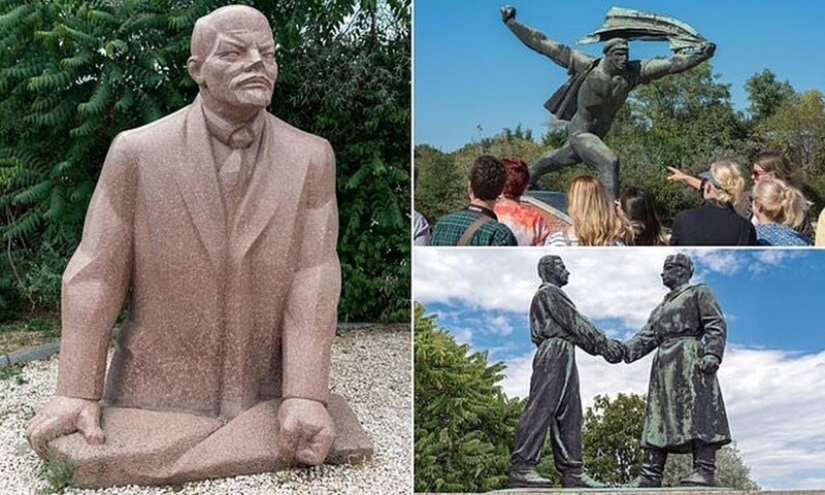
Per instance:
(559,274)
(674,275)
(618,58)
(240,70)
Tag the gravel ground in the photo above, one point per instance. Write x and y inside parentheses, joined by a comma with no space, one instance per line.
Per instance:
(370,368)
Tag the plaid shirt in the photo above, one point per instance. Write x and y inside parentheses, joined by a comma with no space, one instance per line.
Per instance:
(450,228)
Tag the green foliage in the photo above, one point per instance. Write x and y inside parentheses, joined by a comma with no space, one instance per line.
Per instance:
(766,94)
(13,372)
(75,74)
(610,438)
(797,128)
(731,470)
(441,187)
(612,452)
(464,424)
(59,472)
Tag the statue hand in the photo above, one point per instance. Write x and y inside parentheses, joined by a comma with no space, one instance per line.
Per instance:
(306,431)
(507,12)
(615,352)
(708,49)
(709,364)
(62,416)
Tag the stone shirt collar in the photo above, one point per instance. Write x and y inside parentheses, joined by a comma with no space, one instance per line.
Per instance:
(232,134)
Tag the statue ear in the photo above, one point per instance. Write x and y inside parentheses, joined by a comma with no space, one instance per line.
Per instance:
(194,65)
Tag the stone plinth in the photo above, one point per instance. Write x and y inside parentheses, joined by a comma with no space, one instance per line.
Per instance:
(153,448)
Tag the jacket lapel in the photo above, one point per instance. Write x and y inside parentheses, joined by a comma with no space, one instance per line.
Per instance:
(198,183)
(276,186)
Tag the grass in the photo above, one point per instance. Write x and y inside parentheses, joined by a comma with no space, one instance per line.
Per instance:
(37,329)
(58,472)
(13,372)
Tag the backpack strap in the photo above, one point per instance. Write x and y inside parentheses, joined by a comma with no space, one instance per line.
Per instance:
(465,238)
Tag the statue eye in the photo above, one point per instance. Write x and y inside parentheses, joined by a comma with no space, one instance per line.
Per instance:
(230,55)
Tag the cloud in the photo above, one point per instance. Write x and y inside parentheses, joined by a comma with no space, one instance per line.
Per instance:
(728,262)
(771,258)
(500,325)
(605,283)
(774,399)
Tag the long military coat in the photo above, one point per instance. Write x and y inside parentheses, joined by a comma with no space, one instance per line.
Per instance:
(684,404)
(225,310)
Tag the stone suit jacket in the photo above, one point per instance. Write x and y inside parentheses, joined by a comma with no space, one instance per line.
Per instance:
(223,312)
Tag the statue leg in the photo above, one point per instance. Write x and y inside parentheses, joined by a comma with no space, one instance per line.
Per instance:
(154,447)
(704,466)
(592,150)
(653,465)
(552,161)
(538,416)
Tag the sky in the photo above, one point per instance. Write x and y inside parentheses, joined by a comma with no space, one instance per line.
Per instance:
(774,364)
(470,71)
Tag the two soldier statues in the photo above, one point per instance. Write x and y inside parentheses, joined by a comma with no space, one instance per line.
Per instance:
(685,410)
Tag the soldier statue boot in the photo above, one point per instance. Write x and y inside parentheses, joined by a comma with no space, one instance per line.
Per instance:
(528,478)
(704,466)
(580,480)
(653,465)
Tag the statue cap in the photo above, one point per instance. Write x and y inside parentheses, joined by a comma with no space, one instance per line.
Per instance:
(614,43)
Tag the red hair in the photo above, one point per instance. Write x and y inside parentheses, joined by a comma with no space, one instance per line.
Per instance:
(518,175)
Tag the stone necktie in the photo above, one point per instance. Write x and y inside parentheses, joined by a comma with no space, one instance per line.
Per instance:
(231,172)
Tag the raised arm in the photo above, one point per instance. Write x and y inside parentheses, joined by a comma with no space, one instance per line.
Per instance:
(659,67)
(537,41)
(642,343)
(578,329)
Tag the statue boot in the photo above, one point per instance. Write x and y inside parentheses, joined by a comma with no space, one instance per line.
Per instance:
(528,478)
(704,466)
(653,465)
(581,480)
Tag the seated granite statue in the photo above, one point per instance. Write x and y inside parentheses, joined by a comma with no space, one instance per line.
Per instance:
(219,224)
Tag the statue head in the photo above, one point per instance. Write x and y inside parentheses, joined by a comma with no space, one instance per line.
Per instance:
(617,52)
(552,270)
(233,61)
(677,270)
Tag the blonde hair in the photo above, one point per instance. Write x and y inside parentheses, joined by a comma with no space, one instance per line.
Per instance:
(780,202)
(729,177)
(595,219)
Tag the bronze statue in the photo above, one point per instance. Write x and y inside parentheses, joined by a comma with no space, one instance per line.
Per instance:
(554,405)
(219,224)
(685,409)
(596,90)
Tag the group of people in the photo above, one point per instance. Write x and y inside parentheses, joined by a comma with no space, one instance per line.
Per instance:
(685,409)
(773,213)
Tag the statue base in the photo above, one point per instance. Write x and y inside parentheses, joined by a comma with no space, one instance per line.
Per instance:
(154,448)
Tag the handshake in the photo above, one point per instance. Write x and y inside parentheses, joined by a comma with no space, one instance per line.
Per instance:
(614,351)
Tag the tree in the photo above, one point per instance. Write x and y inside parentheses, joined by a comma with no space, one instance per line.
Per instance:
(441,187)
(611,447)
(610,437)
(464,424)
(797,127)
(766,94)
(731,470)
(75,74)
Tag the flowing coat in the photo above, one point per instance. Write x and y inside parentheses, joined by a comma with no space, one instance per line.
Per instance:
(225,310)
(684,404)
